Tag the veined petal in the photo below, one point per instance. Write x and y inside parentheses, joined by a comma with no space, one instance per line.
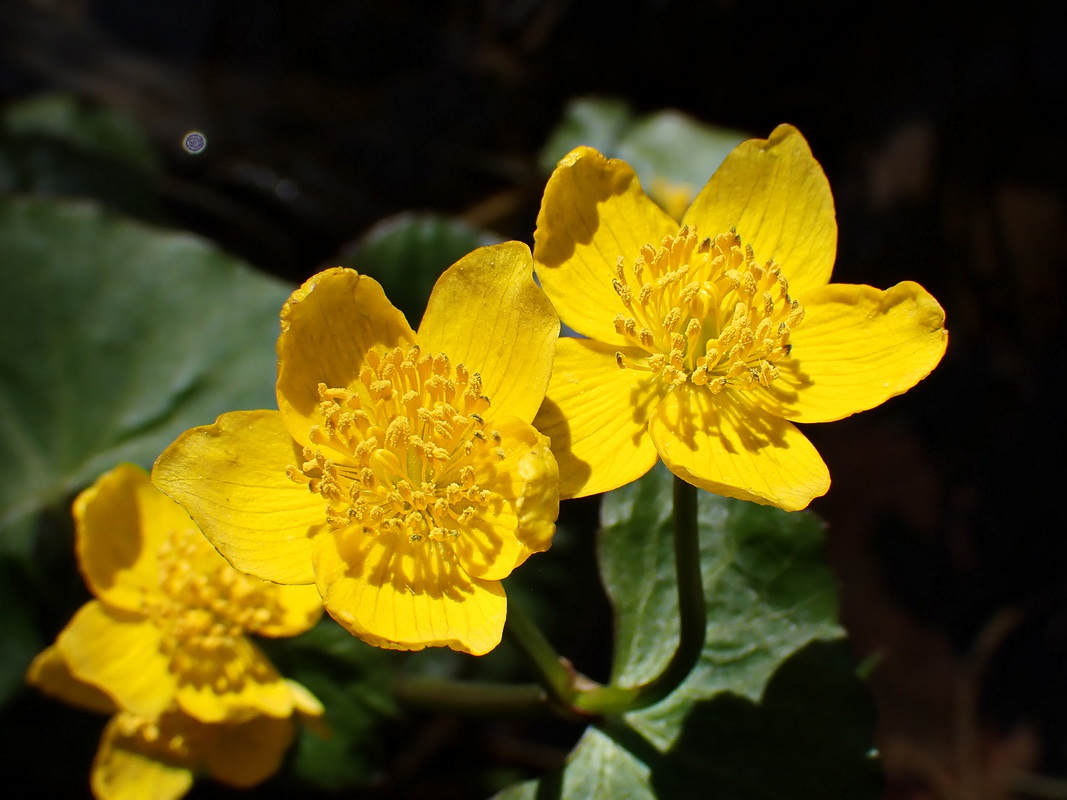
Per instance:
(593,212)
(299,608)
(776,195)
(231,478)
(856,348)
(487,313)
(121,654)
(247,753)
(723,445)
(596,416)
(241,684)
(392,595)
(120,523)
(50,673)
(328,325)
(127,767)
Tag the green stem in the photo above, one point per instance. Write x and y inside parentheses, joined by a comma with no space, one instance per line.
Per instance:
(471,699)
(552,672)
(692,614)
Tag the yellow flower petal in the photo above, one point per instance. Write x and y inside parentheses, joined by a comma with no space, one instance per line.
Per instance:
(240,684)
(492,543)
(596,416)
(328,325)
(121,521)
(248,753)
(299,607)
(776,195)
(304,701)
(231,478)
(487,313)
(393,594)
(50,673)
(123,770)
(723,445)
(529,475)
(856,348)
(121,654)
(593,212)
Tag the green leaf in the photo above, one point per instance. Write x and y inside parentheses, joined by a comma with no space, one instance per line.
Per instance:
(673,148)
(407,253)
(116,337)
(771,710)
(100,131)
(766,583)
(352,680)
(596,122)
(673,154)
(807,738)
(59,146)
(598,767)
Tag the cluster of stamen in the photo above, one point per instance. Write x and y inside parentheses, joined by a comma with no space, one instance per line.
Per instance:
(204,613)
(705,311)
(403,452)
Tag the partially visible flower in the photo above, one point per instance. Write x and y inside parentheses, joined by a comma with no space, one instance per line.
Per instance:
(159,756)
(709,338)
(401,475)
(169,628)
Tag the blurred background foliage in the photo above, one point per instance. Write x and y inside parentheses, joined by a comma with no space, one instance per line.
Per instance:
(373,133)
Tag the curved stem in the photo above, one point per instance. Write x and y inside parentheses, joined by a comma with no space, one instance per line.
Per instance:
(692,614)
(552,672)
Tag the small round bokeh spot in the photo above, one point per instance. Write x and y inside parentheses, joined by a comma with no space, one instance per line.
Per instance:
(194,142)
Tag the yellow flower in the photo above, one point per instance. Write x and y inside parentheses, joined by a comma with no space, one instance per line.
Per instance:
(401,474)
(168,628)
(158,756)
(709,338)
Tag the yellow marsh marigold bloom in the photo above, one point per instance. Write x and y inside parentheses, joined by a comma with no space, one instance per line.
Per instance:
(708,339)
(169,626)
(401,474)
(158,756)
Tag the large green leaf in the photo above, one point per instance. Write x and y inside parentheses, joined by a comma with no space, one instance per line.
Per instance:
(730,731)
(116,337)
(766,583)
(807,738)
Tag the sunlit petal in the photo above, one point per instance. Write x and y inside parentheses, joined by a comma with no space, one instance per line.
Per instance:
(596,416)
(231,477)
(776,196)
(594,212)
(487,313)
(856,348)
(406,595)
(735,450)
(328,325)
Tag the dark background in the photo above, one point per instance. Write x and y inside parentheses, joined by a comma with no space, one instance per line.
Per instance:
(939,128)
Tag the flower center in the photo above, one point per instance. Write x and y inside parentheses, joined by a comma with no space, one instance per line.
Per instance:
(404,452)
(705,311)
(204,609)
